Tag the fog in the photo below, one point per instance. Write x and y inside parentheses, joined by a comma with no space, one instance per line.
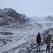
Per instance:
(30,7)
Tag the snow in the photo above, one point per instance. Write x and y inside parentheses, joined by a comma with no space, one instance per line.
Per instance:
(23,35)
(11,46)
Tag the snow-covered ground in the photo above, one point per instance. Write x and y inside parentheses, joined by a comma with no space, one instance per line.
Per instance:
(22,37)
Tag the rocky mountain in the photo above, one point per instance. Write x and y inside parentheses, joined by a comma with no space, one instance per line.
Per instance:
(49,18)
(9,15)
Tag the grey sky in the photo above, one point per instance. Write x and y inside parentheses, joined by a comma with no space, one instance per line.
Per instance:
(29,7)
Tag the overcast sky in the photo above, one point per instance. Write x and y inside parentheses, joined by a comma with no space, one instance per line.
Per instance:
(29,7)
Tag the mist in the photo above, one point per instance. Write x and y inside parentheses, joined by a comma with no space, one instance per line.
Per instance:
(30,7)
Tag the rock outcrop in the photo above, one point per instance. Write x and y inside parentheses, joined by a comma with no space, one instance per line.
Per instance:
(9,15)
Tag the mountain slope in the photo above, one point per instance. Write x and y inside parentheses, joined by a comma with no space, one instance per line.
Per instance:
(8,16)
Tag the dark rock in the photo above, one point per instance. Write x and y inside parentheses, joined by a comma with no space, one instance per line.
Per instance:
(6,33)
(9,15)
(46,32)
(49,18)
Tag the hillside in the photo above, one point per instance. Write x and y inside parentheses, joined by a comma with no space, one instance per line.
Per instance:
(9,15)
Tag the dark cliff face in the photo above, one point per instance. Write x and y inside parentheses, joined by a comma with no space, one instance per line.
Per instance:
(9,15)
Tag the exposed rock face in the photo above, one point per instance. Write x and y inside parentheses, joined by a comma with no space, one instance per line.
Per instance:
(8,16)
(46,32)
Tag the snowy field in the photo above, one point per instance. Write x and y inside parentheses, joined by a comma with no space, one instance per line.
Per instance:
(22,38)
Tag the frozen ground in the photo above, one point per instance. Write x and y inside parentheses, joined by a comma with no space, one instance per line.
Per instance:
(22,38)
